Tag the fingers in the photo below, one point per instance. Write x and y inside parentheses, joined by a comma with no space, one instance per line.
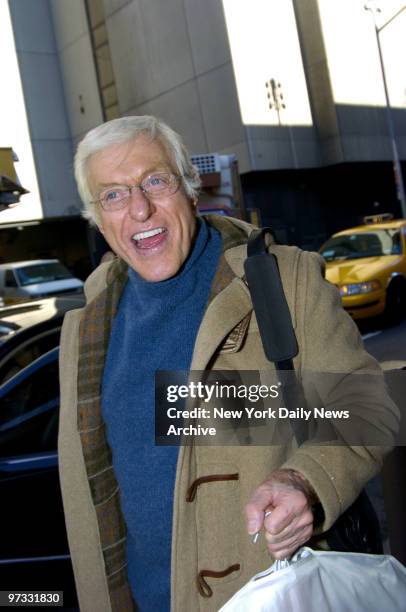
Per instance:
(291,506)
(287,541)
(290,524)
(286,549)
(255,509)
(296,523)
(285,503)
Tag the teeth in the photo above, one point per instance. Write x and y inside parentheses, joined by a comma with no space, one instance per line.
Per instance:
(149,234)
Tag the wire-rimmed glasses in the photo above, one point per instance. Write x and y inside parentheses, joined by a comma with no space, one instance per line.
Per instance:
(153,186)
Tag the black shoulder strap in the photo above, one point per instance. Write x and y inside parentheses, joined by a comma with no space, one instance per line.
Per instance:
(274,320)
(269,301)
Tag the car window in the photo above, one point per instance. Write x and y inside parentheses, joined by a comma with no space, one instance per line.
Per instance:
(29,410)
(10,280)
(42,273)
(27,351)
(396,247)
(375,243)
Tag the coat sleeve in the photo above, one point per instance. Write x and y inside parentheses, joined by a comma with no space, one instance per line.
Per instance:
(332,354)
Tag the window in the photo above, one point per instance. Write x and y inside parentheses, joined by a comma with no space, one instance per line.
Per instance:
(27,351)
(10,279)
(375,243)
(29,414)
(42,273)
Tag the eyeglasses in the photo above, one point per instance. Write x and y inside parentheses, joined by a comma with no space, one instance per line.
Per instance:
(153,186)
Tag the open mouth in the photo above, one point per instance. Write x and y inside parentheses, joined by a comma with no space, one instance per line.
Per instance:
(150,239)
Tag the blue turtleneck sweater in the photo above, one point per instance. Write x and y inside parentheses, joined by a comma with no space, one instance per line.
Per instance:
(155,329)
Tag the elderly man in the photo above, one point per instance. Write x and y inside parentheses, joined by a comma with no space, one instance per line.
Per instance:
(160,527)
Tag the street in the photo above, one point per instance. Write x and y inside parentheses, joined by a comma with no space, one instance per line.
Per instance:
(388,346)
(385,344)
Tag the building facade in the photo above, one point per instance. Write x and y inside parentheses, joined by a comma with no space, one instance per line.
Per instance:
(292,87)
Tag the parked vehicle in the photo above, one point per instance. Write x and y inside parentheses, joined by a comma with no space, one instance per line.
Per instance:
(33,279)
(34,551)
(368,265)
(30,329)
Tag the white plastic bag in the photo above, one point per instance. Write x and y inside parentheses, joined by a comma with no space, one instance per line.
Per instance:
(316,581)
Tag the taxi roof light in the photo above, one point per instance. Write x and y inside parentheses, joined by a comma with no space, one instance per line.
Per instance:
(382,218)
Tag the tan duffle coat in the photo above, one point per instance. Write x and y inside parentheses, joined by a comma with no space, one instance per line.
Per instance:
(212,554)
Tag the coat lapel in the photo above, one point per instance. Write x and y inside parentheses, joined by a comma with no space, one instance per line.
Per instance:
(228,310)
(229,307)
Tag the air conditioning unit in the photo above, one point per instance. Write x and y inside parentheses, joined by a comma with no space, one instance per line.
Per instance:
(221,187)
(208,163)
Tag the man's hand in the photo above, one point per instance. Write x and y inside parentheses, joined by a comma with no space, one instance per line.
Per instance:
(289,497)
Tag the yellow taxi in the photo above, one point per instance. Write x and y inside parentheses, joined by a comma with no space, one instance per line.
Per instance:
(368,265)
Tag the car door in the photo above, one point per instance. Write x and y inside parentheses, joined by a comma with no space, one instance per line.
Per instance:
(33,544)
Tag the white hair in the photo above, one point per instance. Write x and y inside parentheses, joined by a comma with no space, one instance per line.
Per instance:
(120,131)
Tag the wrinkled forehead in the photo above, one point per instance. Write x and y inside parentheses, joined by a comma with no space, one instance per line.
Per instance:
(128,161)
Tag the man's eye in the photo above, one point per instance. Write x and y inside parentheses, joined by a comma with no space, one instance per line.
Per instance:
(114,194)
(111,195)
(157,181)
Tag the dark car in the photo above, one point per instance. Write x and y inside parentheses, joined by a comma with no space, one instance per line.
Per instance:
(33,545)
(30,329)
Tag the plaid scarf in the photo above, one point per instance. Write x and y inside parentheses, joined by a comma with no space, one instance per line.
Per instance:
(94,334)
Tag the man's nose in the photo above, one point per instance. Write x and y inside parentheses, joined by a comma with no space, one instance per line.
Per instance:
(139,206)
